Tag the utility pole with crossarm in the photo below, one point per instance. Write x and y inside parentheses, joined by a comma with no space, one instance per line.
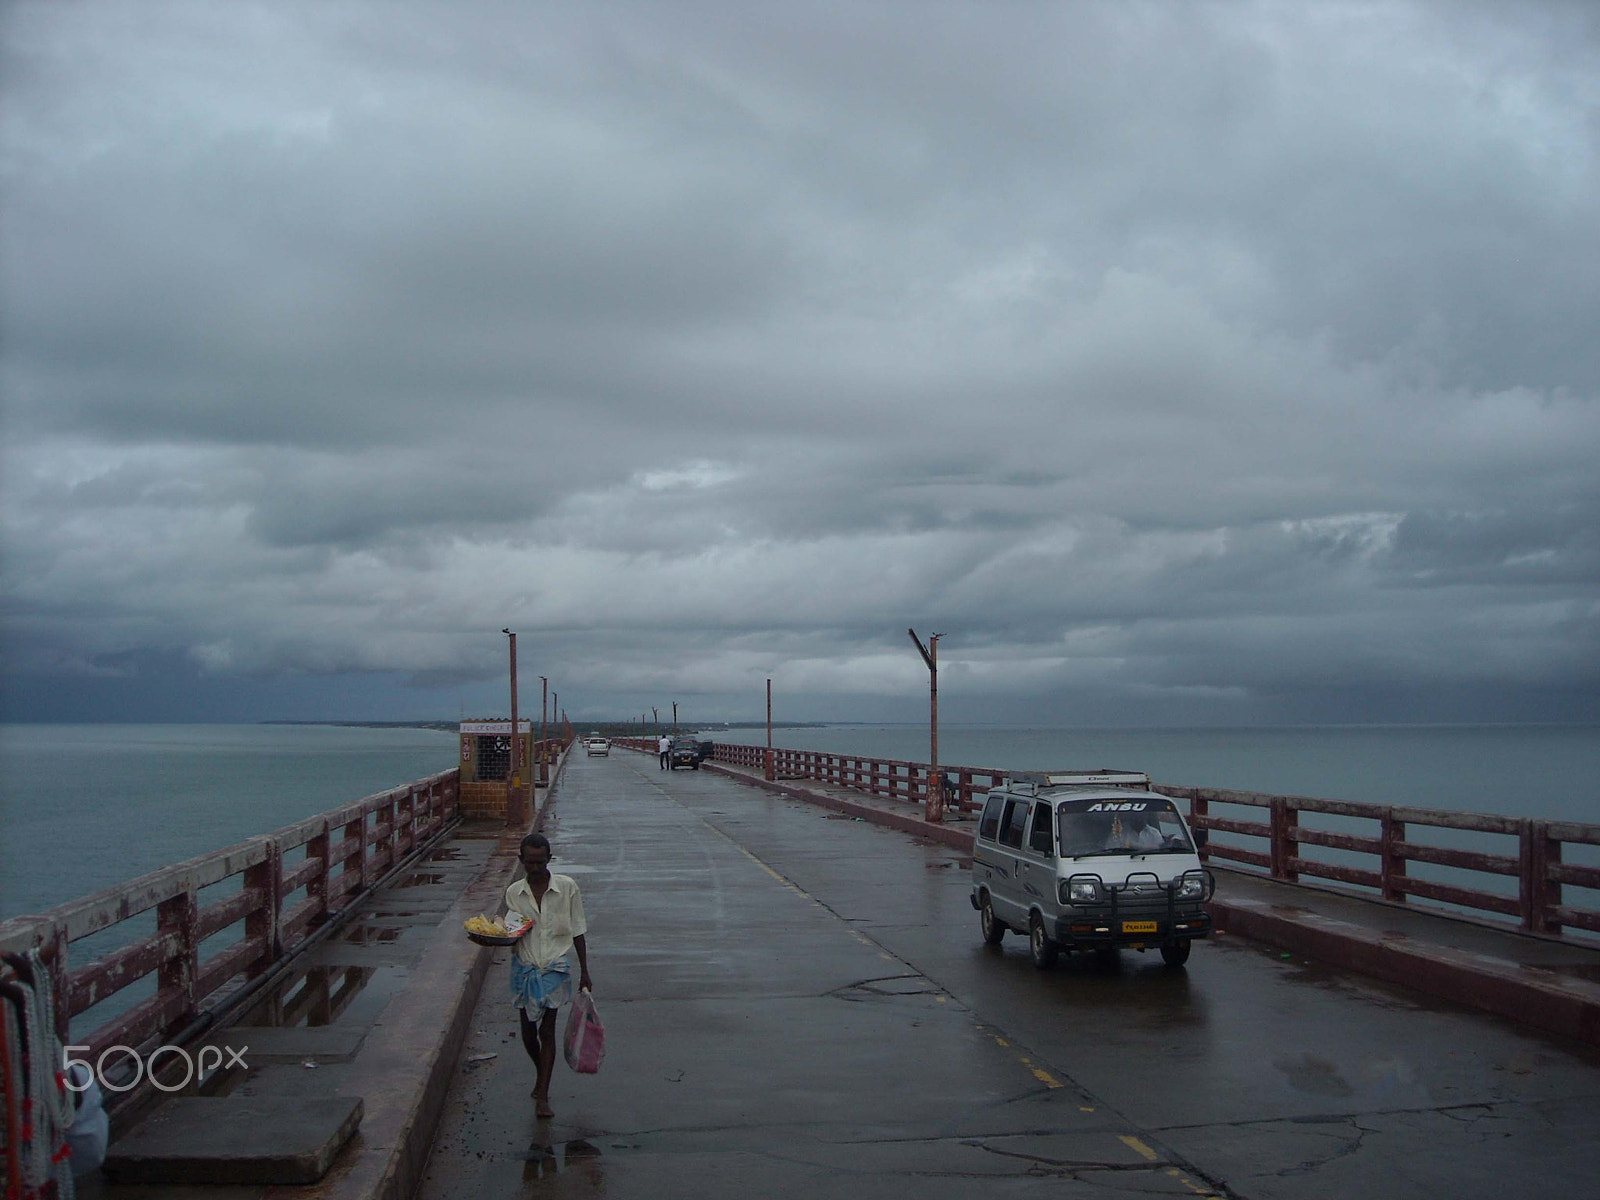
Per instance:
(933,807)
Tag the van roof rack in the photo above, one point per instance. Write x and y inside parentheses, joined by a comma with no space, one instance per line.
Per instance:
(1032,781)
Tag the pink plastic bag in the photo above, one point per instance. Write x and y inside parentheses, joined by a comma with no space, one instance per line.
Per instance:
(585,1036)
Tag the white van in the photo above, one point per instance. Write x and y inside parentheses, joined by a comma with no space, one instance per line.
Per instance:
(1088,861)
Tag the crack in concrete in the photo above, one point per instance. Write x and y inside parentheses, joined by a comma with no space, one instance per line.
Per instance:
(1095,1164)
(874,990)
(1038,1167)
(1448,1110)
(1347,1147)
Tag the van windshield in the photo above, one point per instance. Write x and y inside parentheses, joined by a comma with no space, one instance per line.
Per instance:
(1096,827)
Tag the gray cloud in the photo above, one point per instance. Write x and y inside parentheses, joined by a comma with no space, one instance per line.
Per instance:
(1176,361)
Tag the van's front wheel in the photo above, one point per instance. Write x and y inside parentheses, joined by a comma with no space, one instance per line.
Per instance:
(993,928)
(1041,946)
(1176,954)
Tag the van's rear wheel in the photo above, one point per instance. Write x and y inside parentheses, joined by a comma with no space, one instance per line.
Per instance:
(1176,954)
(993,928)
(1041,946)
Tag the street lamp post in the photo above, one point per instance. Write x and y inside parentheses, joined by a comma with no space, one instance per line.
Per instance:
(514,811)
(544,699)
(933,807)
(768,769)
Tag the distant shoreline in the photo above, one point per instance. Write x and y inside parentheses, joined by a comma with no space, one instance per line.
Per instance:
(609,728)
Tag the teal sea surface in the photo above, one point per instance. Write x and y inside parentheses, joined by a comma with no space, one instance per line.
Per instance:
(1547,771)
(88,806)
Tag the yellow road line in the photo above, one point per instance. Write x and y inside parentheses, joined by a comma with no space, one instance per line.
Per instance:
(1043,1076)
(1138,1147)
(1199,1189)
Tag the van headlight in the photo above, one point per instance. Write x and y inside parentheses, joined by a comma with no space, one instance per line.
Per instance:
(1081,889)
(1191,887)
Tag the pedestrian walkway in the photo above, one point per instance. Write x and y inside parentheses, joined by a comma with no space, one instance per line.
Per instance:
(347,1058)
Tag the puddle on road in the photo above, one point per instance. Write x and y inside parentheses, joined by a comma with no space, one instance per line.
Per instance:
(1310,1073)
(312,997)
(421,879)
(368,935)
(444,854)
(576,1157)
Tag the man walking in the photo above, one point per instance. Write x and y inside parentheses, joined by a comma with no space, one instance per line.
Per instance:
(664,749)
(541,976)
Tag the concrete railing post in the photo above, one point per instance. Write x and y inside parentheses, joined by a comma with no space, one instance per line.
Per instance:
(177,974)
(1285,839)
(1199,818)
(60,979)
(319,847)
(263,921)
(1393,869)
(1538,892)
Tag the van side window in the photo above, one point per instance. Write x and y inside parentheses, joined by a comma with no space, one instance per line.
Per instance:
(1011,824)
(990,820)
(1039,835)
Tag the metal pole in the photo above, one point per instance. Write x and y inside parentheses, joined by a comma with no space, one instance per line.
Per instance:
(933,805)
(514,814)
(768,770)
(674,718)
(544,699)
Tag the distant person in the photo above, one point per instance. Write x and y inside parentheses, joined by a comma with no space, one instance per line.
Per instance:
(664,750)
(541,975)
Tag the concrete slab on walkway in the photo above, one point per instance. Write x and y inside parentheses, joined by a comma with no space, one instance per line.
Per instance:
(255,1140)
(299,1043)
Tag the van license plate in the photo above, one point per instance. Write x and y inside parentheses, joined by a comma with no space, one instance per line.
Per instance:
(1138,927)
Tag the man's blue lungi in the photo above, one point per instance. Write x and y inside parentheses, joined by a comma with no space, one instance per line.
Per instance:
(534,990)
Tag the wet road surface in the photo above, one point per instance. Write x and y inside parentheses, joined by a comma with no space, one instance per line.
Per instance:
(801,1005)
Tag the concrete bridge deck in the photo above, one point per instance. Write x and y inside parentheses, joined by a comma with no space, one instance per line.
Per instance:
(799,1004)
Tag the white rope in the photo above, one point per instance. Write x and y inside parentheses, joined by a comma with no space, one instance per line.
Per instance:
(48,1108)
(11,1028)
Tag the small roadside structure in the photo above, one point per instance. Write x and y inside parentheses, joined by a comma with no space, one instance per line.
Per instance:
(486,761)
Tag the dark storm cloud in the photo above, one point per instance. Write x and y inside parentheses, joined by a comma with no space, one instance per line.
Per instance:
(1177,361)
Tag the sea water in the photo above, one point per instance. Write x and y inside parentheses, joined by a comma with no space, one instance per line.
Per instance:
(1545,771)
(88,806)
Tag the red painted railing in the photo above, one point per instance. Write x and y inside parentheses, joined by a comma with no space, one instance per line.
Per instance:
(1533,853)
(289,883)
(1532,849)
(893,778)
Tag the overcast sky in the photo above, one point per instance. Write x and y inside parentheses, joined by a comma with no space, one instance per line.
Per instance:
(1179,362)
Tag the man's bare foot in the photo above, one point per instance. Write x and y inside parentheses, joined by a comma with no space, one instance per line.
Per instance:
(541,1107)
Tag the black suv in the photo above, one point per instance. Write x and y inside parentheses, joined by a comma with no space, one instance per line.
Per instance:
(685,752)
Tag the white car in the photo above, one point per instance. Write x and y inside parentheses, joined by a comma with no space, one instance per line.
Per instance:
(1088,861)
(597,745)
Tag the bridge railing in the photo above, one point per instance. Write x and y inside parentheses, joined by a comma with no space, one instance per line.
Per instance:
(891,778)
(1505,867)
(231,915)
(1516,871)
